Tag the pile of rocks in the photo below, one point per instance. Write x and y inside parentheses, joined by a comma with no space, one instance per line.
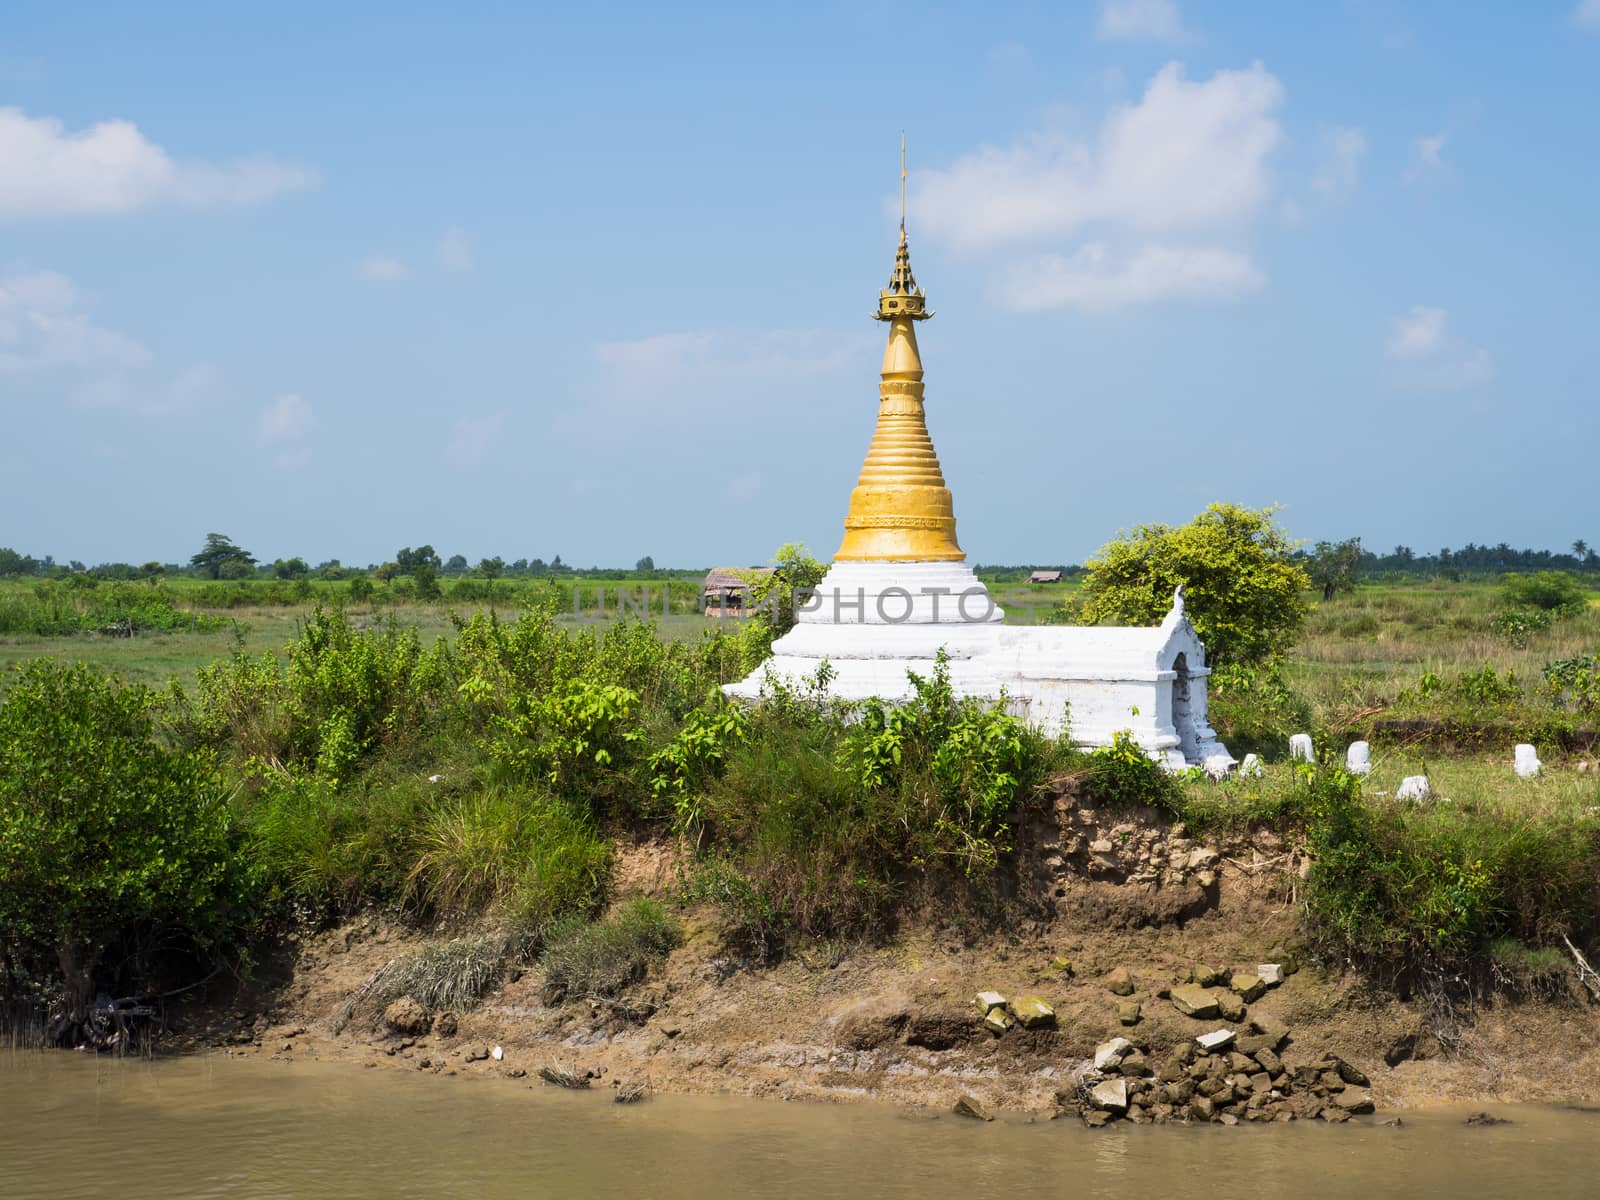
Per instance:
(999,1014)
(1221,1076)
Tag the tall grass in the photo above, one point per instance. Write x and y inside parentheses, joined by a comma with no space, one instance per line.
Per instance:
(534,854)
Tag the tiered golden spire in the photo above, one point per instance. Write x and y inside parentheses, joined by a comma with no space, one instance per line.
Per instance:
(900,510)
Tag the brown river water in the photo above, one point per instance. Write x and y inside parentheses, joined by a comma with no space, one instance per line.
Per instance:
(210,1126)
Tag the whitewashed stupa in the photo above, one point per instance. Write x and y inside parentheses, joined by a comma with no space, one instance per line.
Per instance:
(899,591)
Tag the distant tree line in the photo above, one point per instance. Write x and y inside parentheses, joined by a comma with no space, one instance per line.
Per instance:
(221,558)
(1333,566)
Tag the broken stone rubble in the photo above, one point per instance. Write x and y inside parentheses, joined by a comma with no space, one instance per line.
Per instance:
(1207,1081)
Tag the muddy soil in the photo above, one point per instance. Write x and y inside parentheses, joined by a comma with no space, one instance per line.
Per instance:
(897,1022)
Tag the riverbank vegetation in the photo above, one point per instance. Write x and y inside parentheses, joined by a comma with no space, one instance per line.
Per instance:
(476,775)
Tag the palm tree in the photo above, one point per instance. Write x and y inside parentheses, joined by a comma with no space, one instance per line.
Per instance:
(1580,548)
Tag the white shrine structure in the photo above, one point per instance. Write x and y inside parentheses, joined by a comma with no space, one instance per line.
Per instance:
(899,591)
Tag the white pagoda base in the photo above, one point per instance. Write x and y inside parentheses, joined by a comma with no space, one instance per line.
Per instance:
(873,623)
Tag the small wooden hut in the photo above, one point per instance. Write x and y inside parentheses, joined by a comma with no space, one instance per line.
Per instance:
(723,592)
(1045,577)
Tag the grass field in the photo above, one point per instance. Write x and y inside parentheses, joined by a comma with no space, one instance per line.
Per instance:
(1362,654)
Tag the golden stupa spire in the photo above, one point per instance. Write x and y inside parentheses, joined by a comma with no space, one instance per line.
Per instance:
(900,510)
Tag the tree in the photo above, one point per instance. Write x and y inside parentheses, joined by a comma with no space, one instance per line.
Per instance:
(1336,567)
(426,576)
(13,563)
(110,838)
(291,568)
(409,560)
(218,553)
(457,565)
(773,597)
(492,568)
(1243,593)
(1580,549)
(645,565)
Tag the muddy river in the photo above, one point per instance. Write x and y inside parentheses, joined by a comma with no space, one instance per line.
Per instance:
(72,1126)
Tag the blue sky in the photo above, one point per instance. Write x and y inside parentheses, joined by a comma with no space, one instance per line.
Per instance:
(530,281)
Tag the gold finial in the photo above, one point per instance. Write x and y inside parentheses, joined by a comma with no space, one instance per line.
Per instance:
(902,299)
(902,185)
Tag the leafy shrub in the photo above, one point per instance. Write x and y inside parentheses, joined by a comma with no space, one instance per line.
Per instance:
(1486,686)
(79,604)
(1548,591)
(1575,681)
(1243,592)
(1254,707)
(826,816)
(1515,626)
(681,769)
(343,693)
(1123,775)
(773,599)
(1432,887)
(107,835)
(603,958)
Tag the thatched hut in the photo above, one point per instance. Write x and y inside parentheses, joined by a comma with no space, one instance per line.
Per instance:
(724,590)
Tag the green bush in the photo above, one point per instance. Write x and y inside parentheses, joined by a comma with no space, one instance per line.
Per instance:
(79,605)
(1433,887)
(1574,682)
(343,694)
(109,838)
(1255,708)
(1243,592)
(603,958)
(1549,591)
(1122,775)
(1515,626)
(826,817)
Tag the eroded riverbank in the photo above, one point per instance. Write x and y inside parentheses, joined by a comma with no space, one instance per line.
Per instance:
(1126,907)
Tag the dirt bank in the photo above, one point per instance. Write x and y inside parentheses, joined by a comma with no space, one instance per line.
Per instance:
(897,1022)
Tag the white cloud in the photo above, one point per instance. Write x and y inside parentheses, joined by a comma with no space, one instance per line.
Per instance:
(1428,356)
(46,171)
(1427,159)
(381,268)
(1187,155)
(1339,169)
(471,437)
(1094,279)
(285,421)
(44,326)
(454,251)
(1139,20)
(1190,157)
(1418,333)
(1587,16)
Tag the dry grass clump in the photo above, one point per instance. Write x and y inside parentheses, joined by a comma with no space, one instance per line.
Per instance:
(451,976)
(602,958)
